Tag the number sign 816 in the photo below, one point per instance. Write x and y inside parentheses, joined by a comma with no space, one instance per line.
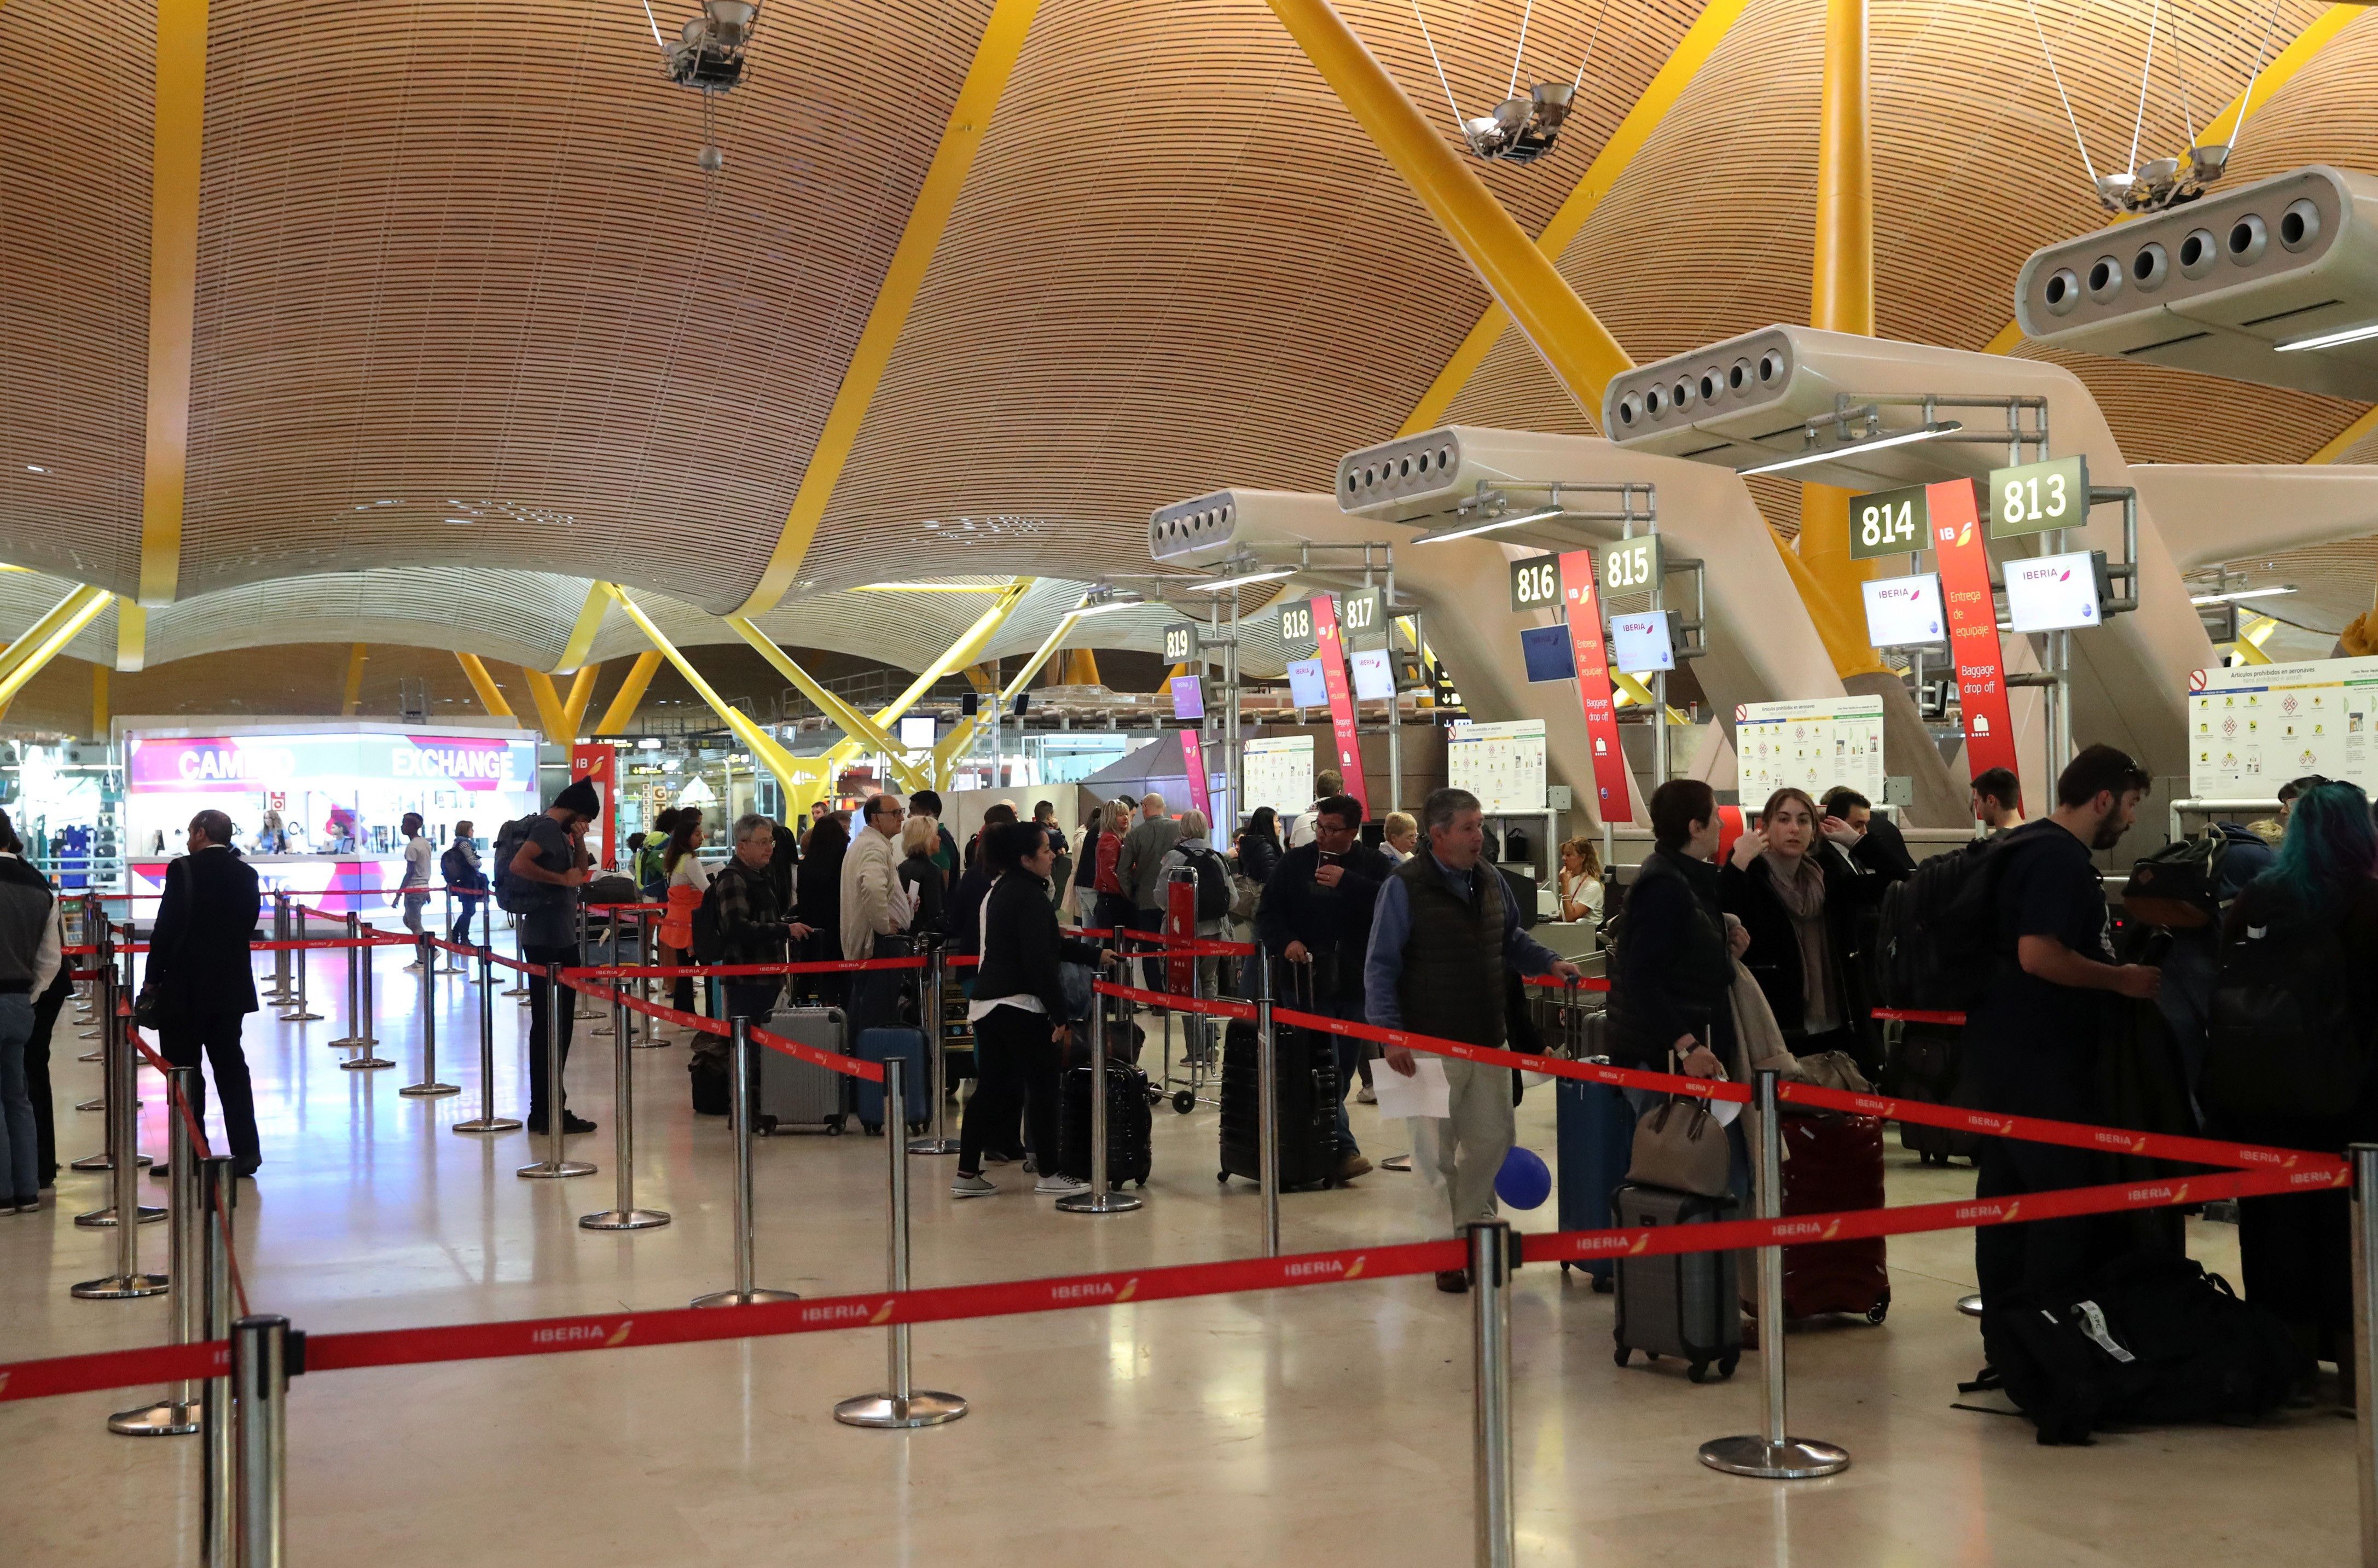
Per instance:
(1535,582)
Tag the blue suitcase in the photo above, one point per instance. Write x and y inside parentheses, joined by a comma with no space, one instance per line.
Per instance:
(1595,1140)
(878,1044)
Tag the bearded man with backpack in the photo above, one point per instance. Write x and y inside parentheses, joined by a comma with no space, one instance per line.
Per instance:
(1316,911)
(541,863)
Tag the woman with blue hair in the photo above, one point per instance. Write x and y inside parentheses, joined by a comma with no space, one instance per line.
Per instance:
(2300,975)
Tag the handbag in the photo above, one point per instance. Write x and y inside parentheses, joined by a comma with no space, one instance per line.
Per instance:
(149,1008)
(1681,1146)
(1245,894)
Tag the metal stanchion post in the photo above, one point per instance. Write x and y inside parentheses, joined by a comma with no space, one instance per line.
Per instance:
(928,1006)
(219,1505)
(520,990)
(1266,1104)
(428,1088)
(623,1214)
(738,1095)
(581,1005)
(279,990)
(1098,1200)
(1772,1455)
(904,1405)
(647,1034)
(122,1158)
(354,1036)
(299,1012)
(2364,1369)
(186,1240)
(450,967)
(105,1159)
(261,1360)
(486,1120)
(366,1013)
(1492,1255)
(555,1163)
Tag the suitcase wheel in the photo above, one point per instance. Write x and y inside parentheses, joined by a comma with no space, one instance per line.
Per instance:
(1725,1368)
(1185,1102)
(763,1125)
(1699,1372)
(834,1128)
(873,1128)
(1625,1355)
(1223,1177)
(1564,1268)
(1880,1310)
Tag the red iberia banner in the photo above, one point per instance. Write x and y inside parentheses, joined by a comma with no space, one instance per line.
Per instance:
(1341,697)
(1613,800)
(1957,542)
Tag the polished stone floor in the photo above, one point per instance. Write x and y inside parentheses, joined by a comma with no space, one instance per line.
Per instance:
(1322,1426)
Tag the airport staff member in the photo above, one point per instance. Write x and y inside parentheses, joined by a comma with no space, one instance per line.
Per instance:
(1442,937)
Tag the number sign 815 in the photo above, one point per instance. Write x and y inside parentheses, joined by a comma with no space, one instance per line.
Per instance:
(1630,564)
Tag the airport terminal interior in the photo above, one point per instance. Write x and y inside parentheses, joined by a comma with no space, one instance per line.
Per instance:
(541,503)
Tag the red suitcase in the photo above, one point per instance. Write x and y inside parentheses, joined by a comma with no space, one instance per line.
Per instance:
(1833,1163)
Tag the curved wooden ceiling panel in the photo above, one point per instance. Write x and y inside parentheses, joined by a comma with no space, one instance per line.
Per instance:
(75,131)
(457,262)
(1179,263)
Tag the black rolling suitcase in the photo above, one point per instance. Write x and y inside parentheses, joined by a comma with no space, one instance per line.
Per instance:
(1129,1123)
(1923,1062)
(1308,1099)
(1684,1304)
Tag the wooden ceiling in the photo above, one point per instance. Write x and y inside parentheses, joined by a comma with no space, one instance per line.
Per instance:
(472,327)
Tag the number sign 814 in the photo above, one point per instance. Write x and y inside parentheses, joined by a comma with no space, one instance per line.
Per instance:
(1889,522)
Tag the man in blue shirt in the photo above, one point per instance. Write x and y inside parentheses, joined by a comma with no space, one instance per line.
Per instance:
(1443,936)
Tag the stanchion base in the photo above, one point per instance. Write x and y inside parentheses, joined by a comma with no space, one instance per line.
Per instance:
(429,1091)
(365,1063)
(345,1042)
(89,1056)
(167,1417)
(1093,1203)
(119,1287)
(653,1045)
(101,1162)
(922,1408)
(515,991)
(1397,1162)
(545,1171)
(623,1220)
(97,1102)
(301,1018)
(486,1124)
(1793,1459)
(743,1298)
(104,1219)
(1970,1305)
(933,1145)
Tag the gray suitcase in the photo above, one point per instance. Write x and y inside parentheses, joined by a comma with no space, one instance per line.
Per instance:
(1686,1304)
(800,1096)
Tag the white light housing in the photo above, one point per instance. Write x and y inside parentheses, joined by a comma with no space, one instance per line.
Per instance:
(1833,454)
(1491,525)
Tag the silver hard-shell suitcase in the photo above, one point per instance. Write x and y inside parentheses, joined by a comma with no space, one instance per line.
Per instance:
(797,1096)
(1684,1304)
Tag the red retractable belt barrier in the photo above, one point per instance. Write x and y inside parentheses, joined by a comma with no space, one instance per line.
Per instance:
(1917,1015)
(849,1065)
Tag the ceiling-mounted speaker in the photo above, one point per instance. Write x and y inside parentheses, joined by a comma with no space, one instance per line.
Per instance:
(2276,283)
(969,704)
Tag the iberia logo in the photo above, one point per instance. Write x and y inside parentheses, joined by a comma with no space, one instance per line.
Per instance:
(2179,1195)
(2013,1209)
(1833,1229)
(1355,1269)
(620,1335)
(1129,1287)
(1642,1243)
(884,1314)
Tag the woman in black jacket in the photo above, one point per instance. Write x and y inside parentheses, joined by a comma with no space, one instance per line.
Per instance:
(1259,848)
(1802,904)
(1673,991)
(817,903)
(1018,1009)
(919,836)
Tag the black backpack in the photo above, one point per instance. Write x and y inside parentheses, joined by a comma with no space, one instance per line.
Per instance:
(709,942)
(517,896)
(2154,1340)
(2280,1037)
(1213,884)
(2179,887)
(1933,940)
(456,870)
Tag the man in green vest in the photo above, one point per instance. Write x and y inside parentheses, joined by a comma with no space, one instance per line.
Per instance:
(1443,936)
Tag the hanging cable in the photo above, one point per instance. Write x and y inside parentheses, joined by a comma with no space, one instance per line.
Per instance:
(1433,60)
(1591,39)
(2145,71)
(2246,99)
(654,24)
(2179,68)
(1517,53)
(2054,77)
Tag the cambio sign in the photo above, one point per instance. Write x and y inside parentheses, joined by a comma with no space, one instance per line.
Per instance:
(237,764)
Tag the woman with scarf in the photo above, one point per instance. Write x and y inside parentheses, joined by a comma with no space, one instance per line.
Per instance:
(1800,900)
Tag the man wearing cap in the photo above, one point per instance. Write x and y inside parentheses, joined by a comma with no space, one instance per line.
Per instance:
(554,856)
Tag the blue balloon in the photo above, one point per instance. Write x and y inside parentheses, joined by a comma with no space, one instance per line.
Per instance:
(1524,1183)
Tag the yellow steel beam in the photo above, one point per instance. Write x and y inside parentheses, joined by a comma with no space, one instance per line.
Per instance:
(491,696)
(131,635)
(953,744)
(590,622)
(179,136)
(994,57)
(2348,439)
(849,720)
(86,604)
(551,717)
(802,779)
(99,710)
(963,651)
(1609,165)
(355,698)
(1580,351)
(2256,631)
(28,645)
(630,695)
(582,695)
(2300,51)
(1841,299)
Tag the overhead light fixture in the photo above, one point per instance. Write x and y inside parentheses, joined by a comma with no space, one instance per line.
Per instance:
(464,522)
(1875,443)
(1465,530)
(2236,593)
(2363,333)
(931,588)
(1245,579)
(1104,606)
(35,468)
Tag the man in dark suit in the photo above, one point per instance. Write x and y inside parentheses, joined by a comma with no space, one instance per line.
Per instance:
(199,965)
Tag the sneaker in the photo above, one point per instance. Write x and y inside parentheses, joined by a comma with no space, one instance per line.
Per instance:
(1060,1185)
(28,1205)
(573,1122)
(1453,1281)
(413,968)
(970,1187)
(1365,1097)
(992,1157)
(1352,1166)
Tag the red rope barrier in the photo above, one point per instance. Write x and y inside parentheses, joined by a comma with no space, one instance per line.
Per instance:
(849,1065)
(722,971)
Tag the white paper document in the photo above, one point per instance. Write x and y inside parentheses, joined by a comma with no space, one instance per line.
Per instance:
(1425,1093)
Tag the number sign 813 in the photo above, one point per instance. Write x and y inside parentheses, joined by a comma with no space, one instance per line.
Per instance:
(2037,496)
